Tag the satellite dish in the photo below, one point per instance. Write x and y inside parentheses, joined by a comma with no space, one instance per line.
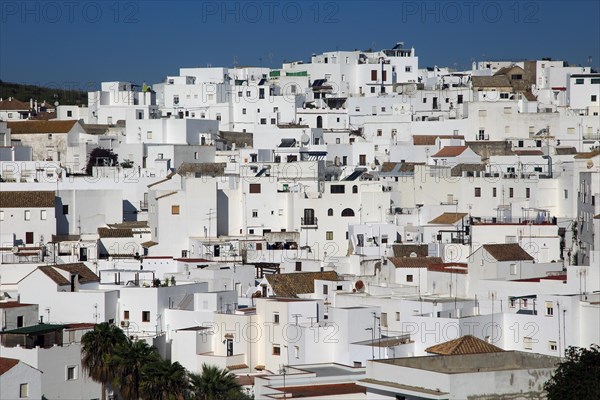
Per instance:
(305,139)
(589,164)
(372,165)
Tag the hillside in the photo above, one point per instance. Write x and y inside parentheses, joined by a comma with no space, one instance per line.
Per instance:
(39,93)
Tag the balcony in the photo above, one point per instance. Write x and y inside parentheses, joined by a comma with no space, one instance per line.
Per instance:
(236,360)
(309,223)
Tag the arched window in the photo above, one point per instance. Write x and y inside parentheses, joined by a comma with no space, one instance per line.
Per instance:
(330,212)
(319,121)
(348,212)
(355,189)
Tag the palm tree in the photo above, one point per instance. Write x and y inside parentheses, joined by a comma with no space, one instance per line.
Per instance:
(214,383)
(127,363)
(162,380)
(96,346)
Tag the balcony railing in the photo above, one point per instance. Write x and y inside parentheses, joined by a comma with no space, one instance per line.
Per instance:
(309,223)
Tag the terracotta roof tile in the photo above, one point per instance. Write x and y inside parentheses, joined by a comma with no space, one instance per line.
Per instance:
(6,364)
(52,126)
(290,285)
(415,262)
(13,304)
(85,274)
(528,152)
(12,104)
(507,252)
(589,154)
(115,232)
(336,389)
(464,345)
(448,218)
(450,151)
(27,199)
(429,140)
(490,81)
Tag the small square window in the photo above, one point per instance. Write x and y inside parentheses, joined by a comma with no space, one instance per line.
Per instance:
(409,278)
(145,316)
(71,373)
(174,210)
(27,215)
(276,350)
(329,235)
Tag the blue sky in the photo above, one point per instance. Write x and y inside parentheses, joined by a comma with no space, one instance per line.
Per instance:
(77,43)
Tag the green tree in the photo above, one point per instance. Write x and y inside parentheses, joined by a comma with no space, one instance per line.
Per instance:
(163,380)
(100,156)
(214,383)
(96,347)
(127,363)
(578,377)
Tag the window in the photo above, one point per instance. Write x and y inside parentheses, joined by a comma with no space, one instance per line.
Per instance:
(516,77)
(372,89)
(504,95)
(263,121)
(19,321)
(355,189)
(477,192)
(594,98)
(552,345)
(513,269)
(329,235)
(373,74)
(384,319)
(512,303)
(71,373)
(65,209)
(244,111)
(27,215)
(175,210)
(347,212)
(407,69)
(1,215)
(69,113)
(579,81)
(273,121)
(330,212)
(325,289)
(276,350)
(409,278)
(549,309)
(145,316)
(380,131)
(28,237)
(362,159)
(595,81)
(494,192)
(460,99)
(397,316)
(296,351)
(276,318)
(527,193)
(254,213)
(24,390)
(338,188)
(255,188)
(126,314)
(527,343)
(298,266)
(511,192)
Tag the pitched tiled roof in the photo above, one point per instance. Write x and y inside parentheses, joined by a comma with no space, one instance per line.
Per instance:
(450,151)
(13,304)
(490,81)
(507,252)
(324,390)
(52,126)
(448,218)
(429,140)
(467,344)
(27,199)
(405,250)
(415,262)
(458,170)
(209,169)
(290,285)
(6,364)
(85,274)
(12,104)
(115,232)
(565,150)
(589,154)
